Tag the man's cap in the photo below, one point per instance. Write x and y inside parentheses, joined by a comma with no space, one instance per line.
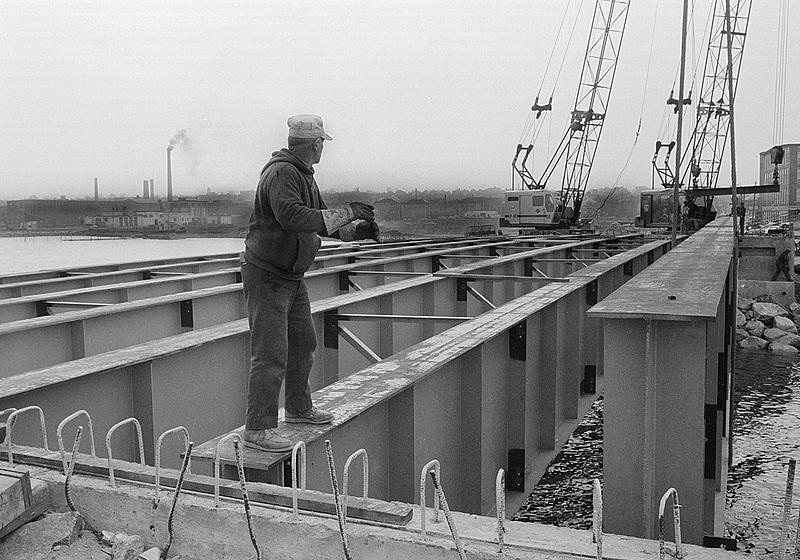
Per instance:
(307,126)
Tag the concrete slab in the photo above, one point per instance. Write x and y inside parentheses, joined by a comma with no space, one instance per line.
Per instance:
(203,531)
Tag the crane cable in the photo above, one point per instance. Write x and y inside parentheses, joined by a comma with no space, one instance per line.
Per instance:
(695,57)
(644,99)
(561,66)
(553,50)
(667,128)
(530,121)
(529,128)
(780,73)
(641,113)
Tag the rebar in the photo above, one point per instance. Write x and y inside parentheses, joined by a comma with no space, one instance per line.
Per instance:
(158,454)
(298,447)
(787,507)
(60,439)
(434,464)
(500,500)
(12,419)
(178,487)
(450,523)
(79,523)
(676,519)
(234,436)
(597,517)
(797,539)
(335,488)
(69,469)
(245,497)
(110,432)
(346,476)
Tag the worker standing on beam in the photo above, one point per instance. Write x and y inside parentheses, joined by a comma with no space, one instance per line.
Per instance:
(281,244)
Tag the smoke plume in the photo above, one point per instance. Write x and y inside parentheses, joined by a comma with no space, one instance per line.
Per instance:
(183,140)
(180,137)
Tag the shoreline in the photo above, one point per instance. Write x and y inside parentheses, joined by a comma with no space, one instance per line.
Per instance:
(122,234)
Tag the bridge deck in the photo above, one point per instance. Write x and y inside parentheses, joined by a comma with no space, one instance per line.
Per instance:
(685,287)
(167,381)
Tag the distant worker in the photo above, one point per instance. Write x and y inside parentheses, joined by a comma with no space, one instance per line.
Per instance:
(281,244)
(740,211)
(782,266)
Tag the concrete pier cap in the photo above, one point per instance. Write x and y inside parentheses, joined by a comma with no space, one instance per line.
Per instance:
(202,531)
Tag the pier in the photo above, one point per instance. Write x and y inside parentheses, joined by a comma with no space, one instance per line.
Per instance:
(482,354)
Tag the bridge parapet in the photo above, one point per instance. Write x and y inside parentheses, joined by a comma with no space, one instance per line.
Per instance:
(667,360)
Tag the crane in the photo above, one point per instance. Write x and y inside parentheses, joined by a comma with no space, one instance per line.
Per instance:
(712,118)
(578,145)
(712,122)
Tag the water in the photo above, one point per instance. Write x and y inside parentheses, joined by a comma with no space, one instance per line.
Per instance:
(564,494)
(19,254)
(767,433)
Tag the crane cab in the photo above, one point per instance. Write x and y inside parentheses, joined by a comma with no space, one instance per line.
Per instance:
(655,208)
(531,209)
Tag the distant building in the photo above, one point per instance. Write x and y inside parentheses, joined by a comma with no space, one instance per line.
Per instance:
(135,213)
(784,205)
(388,209)
(415,208)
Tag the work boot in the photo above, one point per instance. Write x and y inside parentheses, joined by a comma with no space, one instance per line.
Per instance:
(267,440)
(311,416)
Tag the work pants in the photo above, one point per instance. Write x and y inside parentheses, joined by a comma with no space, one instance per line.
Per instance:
(282,342)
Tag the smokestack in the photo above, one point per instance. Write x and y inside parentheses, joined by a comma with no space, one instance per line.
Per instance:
(145,189)
(169,173)
(152,190)
(96,190)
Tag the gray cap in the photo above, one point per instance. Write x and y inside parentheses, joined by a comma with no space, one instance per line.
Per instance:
(307,126)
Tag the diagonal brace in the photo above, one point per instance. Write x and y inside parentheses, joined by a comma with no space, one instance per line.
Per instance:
(480,297)
(359,345)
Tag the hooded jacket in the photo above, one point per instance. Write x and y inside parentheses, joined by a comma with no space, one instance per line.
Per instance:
(288,217)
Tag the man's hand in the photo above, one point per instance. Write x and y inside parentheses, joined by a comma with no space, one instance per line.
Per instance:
(363,211)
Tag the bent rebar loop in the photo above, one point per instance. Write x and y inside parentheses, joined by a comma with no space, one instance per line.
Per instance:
(346,476)
(12,419)
(434,464)
(299,448)
(234,436)
(110,432)
(160,440)
(500,500)
(676,518)
(60,438)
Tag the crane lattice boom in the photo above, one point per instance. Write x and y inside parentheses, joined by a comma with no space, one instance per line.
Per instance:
(578,146)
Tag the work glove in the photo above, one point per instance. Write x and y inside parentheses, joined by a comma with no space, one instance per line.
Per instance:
(367,230)
(363,211)
(359,230)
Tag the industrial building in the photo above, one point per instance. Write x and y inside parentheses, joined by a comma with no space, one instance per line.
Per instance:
(781,206)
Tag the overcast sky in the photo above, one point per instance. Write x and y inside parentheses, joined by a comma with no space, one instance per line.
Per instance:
(416,94)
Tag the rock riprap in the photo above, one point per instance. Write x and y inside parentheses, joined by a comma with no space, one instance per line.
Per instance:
(763,324)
